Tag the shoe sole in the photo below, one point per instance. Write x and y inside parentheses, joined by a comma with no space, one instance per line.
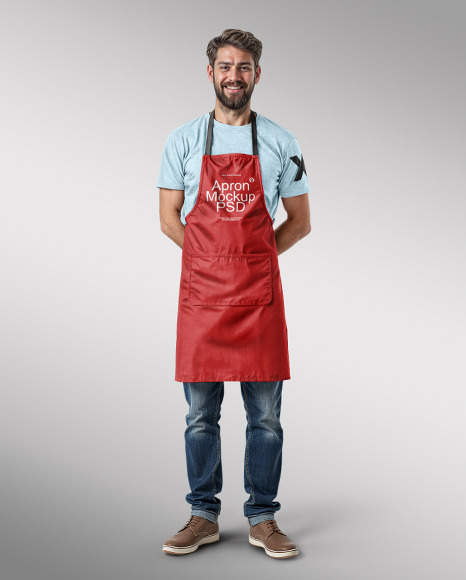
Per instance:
(179,551)
(273,553)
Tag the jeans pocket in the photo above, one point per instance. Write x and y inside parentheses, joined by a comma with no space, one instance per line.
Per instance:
(230,279)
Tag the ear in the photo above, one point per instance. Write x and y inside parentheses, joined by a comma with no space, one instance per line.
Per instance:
(210,73)
(257,75)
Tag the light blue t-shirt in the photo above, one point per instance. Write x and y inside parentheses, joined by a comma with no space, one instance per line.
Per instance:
(282,167)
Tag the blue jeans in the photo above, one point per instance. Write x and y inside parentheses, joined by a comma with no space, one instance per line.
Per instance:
(263,453)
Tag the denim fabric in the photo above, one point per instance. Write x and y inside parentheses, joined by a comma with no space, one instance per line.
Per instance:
(263,452)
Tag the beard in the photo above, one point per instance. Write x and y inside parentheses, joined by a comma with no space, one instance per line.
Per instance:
(232,101)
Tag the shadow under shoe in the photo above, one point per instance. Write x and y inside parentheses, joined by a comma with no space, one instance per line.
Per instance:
(196,531)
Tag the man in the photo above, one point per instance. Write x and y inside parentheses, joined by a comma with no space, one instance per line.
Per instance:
(221,178)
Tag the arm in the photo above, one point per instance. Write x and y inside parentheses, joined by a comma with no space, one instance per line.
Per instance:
(297,224)
(171,203)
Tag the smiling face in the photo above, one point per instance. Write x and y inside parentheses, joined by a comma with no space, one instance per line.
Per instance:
(233,76)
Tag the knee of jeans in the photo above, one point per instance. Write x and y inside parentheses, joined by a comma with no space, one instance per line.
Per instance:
(270,422)
(198,421)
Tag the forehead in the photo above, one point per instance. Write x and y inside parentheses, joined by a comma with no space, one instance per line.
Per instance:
(233,55)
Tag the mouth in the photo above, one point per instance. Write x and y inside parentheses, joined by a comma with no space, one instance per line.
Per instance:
(233,88)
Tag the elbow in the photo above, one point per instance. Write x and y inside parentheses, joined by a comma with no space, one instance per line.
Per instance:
(164,226)
(169,222)
(301,225)
(306,230)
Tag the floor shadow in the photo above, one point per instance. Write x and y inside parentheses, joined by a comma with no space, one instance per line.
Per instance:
(314,519)
(233,535)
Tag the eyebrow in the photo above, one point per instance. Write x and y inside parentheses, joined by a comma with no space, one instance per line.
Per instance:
(227,62)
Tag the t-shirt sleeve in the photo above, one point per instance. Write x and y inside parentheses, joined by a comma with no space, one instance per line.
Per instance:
(171,174)
(293,179)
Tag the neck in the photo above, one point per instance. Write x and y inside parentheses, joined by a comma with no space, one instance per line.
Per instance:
(233,117)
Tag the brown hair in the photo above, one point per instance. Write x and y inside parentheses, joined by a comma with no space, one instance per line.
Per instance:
(238,38)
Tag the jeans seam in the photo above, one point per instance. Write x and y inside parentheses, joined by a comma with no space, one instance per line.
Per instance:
(247,445)
(214,487)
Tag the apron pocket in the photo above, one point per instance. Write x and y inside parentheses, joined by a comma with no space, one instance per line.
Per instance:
(230,279)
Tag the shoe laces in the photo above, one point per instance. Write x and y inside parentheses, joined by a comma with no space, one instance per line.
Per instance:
(272,526)
(192,523)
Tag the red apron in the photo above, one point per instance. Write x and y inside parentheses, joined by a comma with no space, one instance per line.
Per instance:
(231,322)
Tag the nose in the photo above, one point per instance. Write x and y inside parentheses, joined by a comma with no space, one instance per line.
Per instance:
(234,74)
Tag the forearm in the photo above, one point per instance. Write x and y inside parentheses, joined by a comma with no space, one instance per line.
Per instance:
(174,229)
(288,233)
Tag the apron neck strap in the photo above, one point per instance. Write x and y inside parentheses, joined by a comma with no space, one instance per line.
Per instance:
(208,144)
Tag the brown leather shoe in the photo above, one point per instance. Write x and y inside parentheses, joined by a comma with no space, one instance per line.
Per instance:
(196,531)
(276,544)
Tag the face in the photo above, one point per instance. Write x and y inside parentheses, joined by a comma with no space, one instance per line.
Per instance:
(233,76)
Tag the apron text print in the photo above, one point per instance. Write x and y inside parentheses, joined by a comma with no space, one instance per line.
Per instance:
(230,196)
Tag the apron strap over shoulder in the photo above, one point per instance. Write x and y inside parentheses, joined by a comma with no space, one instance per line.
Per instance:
(254,133)
(208,143)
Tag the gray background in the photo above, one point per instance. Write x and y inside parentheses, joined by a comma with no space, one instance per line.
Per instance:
(93,467)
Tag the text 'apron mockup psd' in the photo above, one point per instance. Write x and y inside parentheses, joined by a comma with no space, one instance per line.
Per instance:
(231,322)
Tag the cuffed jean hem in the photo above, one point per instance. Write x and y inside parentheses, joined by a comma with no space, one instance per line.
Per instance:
(204,514)
(253,520)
